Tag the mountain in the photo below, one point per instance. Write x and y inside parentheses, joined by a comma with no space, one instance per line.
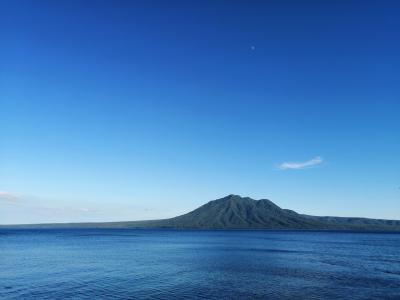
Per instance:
(236,212)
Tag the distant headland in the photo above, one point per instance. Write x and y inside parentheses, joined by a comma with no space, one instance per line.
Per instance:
(236,212)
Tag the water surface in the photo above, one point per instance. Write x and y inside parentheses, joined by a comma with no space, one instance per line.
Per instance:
(171,264)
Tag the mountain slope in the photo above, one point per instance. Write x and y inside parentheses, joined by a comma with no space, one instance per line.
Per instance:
(235,212)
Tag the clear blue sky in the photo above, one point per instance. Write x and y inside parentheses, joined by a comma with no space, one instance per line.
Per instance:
(127,110)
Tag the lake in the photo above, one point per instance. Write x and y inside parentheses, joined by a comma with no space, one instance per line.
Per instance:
(189,264)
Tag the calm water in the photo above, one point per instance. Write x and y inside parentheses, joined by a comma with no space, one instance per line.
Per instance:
(167,264)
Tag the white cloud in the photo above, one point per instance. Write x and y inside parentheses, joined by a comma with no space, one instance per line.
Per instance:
(38,203)
(84,209)
(301,165)
(7,196)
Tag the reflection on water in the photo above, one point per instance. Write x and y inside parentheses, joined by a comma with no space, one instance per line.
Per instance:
(168,264)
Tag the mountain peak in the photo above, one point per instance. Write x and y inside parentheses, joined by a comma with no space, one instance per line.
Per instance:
(238,198)
(232,196)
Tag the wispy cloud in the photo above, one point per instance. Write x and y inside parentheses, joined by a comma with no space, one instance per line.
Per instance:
(301,165)
(39,203)
(9,197)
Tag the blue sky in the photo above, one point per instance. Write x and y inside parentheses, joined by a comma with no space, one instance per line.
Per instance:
(128,110)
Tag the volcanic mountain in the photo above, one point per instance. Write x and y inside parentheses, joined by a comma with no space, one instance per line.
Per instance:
(236,212)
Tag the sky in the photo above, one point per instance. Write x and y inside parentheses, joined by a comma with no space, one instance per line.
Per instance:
(131,110)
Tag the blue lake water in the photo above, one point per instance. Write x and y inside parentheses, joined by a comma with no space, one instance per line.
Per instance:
(168,264)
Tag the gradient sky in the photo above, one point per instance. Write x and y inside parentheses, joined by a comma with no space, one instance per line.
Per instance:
(128,110)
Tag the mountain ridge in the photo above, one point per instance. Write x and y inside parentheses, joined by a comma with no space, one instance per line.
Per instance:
(236,212)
